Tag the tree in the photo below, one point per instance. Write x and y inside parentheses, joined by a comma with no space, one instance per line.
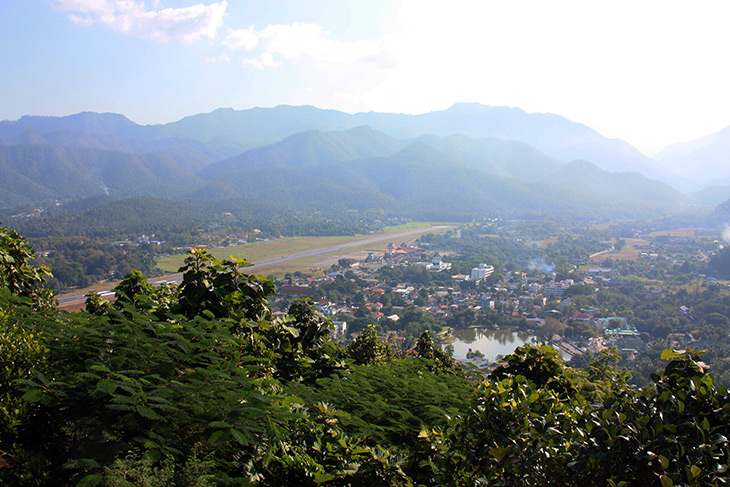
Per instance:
(662,330)
(426,349)
(221,289)
(17,274)
(718,320)
(551,326)
(301,344)
(367,348)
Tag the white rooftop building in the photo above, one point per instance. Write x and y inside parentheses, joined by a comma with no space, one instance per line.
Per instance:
(482,272)
(437,265)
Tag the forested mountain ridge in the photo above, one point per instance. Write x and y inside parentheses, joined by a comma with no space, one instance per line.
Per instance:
(498,157)
(230,131)
(360,168)
(720,215)
(549,133)
(189,153)
(422,182)
(628,186)
(32,173)
(552,134)
(309,149)
(712,195)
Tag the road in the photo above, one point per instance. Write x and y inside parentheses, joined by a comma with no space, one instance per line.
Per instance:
(590,257)
(76,299)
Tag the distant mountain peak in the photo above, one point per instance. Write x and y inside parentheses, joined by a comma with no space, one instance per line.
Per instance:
(89,122)
(477,108)
(699,163)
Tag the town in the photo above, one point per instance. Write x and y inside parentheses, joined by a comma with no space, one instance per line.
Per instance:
(483,289)
(579,293)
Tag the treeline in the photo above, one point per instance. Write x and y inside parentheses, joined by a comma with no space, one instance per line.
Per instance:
(720,263)
(80,262)
(110,218)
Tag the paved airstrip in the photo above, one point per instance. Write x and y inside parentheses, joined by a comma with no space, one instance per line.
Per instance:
(76,299)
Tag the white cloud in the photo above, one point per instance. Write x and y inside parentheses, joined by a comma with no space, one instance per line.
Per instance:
(241,39)
(301,41)
(265,60)
(592,62)
(187,24)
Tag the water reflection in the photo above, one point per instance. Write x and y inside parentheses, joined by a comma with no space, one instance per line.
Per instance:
(492,343)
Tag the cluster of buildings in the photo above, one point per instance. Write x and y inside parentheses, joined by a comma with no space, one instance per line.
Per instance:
(516,295)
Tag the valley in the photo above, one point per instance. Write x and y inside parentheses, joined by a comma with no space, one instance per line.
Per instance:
(354,243)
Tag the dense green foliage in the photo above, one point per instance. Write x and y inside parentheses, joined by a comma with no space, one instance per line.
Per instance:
(720,263)
(80,262)
(17,275)
(115,218)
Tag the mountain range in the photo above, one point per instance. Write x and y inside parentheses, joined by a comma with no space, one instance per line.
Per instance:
(700,165)
(462,162)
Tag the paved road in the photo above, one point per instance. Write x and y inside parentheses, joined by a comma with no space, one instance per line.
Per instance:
(76,299)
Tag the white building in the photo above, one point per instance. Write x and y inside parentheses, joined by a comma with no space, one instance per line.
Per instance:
(557,289)
(340,328)
(482,272)
(437,265)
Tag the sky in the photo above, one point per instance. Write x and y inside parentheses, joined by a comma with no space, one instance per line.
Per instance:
(650,72)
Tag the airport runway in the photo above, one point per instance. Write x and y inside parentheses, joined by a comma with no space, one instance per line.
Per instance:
(76,299)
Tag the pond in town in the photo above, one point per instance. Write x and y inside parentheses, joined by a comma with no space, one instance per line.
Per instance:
(492,343)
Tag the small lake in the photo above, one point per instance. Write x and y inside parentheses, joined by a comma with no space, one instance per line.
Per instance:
(492,343)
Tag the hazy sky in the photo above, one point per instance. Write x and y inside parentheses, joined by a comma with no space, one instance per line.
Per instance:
(650,72)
